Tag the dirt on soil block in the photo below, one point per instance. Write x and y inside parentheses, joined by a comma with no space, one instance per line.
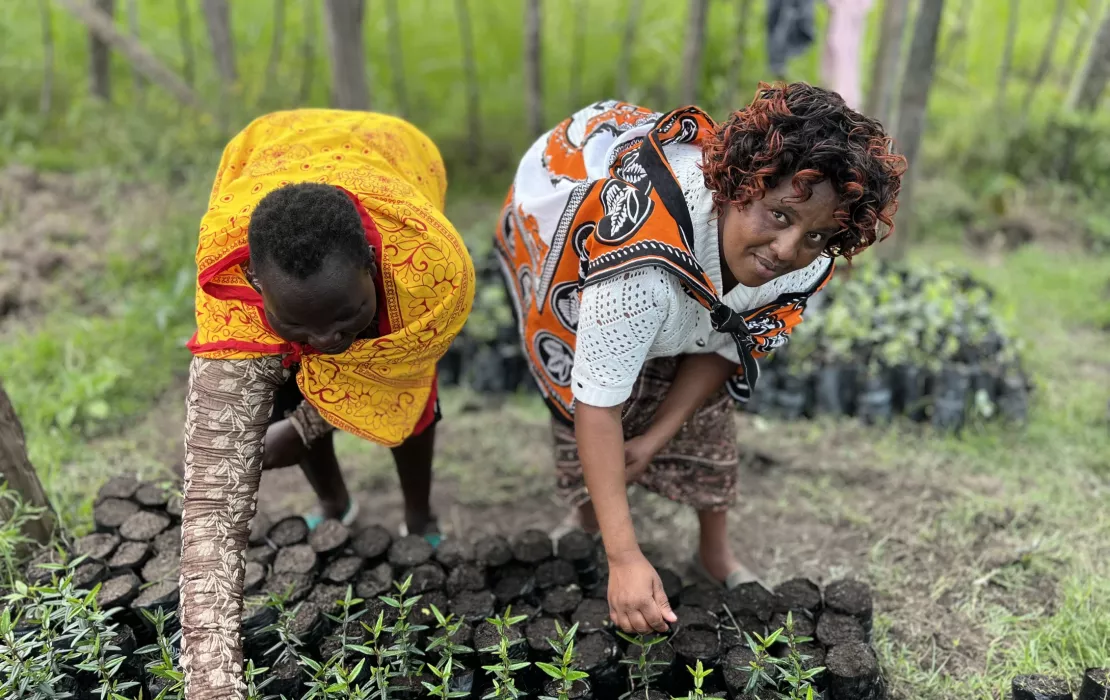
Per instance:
(592,616)
(411,551)
(672,584)
(287,680)
(804,626)
(129,556)
(798,594)
(377,607)
(733,635)
(372,543)
(702,595)
(466,577)
(288,531)
(600,589)
(161,595)
(532,546)
(110,513)
(473,605)
(691,618)
(555,572)
(168,541)
(35,572)
(851,597)
(263,554)
(578,548)
(89,574)
(374,582)
(163,567)
(295,586)
(493,551)
(343,569)
(144,526)
(261,525)
(298,559)
(538,632)
(309,624)
(834,629)
(453,552)
(329,536)
(693,645)
(751,599)
(153,496)
(422,612)
(580,690)
(174,508)
(853,672)
(562,601)
(122,487)
(327,596)
(252,576)
(487,637)
(514,585)
(97,546)
(596,653)
(1038,687)
(737,669)
(1096,685)
(814,657)
(118,592)
(427,577)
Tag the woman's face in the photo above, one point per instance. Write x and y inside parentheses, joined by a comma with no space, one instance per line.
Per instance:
(778,234)
(328,310)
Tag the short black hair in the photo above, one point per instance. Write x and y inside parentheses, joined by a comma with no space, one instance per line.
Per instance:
(297,227)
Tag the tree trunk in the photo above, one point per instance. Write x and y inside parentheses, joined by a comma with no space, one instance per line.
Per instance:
(133,25)
(308,51)
(1096,71)
(274,61)
(100,56)
(693,51)
(343,22)
(217,17)
(888,62)
(533,60)
(914,101)
(578,52)
(1008,52)
(743,9)
(1087,25)
(185,36)
(46,96)
(624,65)
(1045,62)
(473,90)
(143,61)
(16,470)
(958,36)
(397,57)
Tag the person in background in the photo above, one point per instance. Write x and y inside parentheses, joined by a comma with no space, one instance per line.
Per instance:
(652,258)
(840,62)
(329,284)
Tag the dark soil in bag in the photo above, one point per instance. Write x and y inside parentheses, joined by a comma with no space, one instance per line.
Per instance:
(909,387)
(35,573)
(804,625)
(1038,687)
(493,551)
(672,584)
(295,586)
(702,595)
(514,585)
(853,672)
(875,402)
(87,575)
(745,624)
(97,546)
(289,531)
(119,487)
(374,582)
(153,496)
(288,679)
(486,637)
(555,572)
(690,647)
(129,556)
(736,670)
(261,524)
(343,570)
(526,608)
(168,541)
(834,391)
(263,554)
(110,513)
(793,397)
(1096,684)
(118,592)
(144,526)
(531,546)
(426,577)
(466,577)
(750,599)
(328,596)
(162,595)
(422,612)
(372,544)
(581,690)
(253,576)
(834,629)
(578,548)
(691,618)
(453,552)
(309,625)
(329,537)
(474,606)
(950,398)
(1013,398)
(600,655)
(298,559)
(798,594)
(538,632)
(174,508)
(411,551)
(561,601)
(851,597)
(592,616)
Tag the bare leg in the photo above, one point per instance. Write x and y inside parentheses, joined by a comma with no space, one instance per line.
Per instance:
(413,458)
(321,468)
(713,547)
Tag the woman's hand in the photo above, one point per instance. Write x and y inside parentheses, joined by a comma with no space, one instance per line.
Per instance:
(282,446)
(637,603)
(638,453)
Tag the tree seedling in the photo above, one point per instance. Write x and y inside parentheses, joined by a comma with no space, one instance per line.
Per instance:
(642,672)
(564,672)
(503,672)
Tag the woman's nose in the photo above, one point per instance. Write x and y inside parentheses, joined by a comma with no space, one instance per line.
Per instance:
(786,245)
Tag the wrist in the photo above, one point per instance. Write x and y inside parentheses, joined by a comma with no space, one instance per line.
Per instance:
(623,554)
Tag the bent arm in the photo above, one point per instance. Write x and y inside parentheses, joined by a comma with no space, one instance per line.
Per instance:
(227,409)
(600,439)
(698,377)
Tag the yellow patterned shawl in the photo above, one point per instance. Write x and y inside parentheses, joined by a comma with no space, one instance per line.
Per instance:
(378,389)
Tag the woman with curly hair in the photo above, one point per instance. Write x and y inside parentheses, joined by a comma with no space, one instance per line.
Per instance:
(652,260)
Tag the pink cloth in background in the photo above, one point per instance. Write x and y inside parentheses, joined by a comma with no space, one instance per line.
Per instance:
(840,64)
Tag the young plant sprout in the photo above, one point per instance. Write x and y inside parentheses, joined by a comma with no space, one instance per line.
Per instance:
(447,627)
(795,675)
(564,672)
(442,689)
(405,652)
(642,671)
(504,671)
(699,673)
(162,666)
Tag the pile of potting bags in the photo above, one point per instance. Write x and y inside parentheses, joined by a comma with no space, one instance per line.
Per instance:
(1094,686)
(134,557)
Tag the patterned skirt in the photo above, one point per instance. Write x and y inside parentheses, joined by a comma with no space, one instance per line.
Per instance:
(697,468)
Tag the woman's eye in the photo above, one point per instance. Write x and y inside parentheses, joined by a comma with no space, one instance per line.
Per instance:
(779,216)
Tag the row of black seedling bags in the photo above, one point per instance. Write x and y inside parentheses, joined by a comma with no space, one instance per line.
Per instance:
(1094,686)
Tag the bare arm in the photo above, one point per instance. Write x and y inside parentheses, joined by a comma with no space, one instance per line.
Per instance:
(227,408)
(698,378)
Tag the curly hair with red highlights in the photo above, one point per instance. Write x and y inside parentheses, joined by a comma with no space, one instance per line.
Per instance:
(808,134)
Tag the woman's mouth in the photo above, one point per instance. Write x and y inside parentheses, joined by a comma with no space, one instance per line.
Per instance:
(764,268)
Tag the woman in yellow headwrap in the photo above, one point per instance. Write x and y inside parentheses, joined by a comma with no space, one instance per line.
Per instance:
(329,284)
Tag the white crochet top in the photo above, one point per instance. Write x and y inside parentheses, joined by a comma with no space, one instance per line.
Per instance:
(644,314)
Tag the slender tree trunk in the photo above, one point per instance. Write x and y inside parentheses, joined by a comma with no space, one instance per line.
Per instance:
(624,65)
(143,61)
(46,96)
(16,470)
(578,52)
(133,25)
(957,38)
(274,60)
(739,43)
(308,51)
(217,18)
(914,101)
(693,51)
(473,90)
(1096,71)
(343,21)
(1086,27)
(397,57)
(1045,63)
(533,60)
(100,56)
(1008,51)
(185,36)
(888,62)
